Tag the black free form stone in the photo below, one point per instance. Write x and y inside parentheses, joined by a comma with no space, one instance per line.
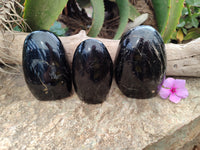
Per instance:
(46,70)
(140,63)
(92,71)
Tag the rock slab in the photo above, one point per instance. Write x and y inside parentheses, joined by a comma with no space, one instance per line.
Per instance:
(118,123)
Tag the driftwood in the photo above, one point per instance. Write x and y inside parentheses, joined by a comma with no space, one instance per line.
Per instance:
(182,59)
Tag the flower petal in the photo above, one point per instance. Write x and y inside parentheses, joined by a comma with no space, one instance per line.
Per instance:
(169,82)
(173,98)
(183,92)
(164,93)
(179,83)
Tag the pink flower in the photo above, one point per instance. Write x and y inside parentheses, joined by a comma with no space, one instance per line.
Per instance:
(174,89)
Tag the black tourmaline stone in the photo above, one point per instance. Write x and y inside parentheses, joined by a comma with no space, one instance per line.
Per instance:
(140,63)
(92,71)
(46,70)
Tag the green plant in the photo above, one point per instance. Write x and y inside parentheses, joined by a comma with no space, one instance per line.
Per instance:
(98,17)
(124,15)
(188,27)
(17,28)
(41,14)
(126,10)
(167,14)
(57,29)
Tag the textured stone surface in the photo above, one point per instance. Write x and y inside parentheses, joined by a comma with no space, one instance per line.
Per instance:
(119,122)
(193,145)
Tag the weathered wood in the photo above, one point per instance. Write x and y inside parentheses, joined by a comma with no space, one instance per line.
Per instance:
(182,59)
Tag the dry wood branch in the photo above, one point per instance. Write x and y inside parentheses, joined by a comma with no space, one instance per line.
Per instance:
(183,60)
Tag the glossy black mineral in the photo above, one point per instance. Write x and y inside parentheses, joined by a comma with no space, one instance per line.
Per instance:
(92,71)
(46,70)
(140,63)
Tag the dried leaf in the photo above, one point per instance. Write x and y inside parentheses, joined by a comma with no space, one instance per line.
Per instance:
(180,36)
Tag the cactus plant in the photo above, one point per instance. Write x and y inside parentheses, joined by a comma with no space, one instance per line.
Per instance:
(123,6)
(167,14)
(41,14)
(97,17)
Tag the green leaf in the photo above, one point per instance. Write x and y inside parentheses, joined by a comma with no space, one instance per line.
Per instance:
(184,31)
(191,21)
(161,8)
(181,24)
(133,12)
(57,29)
(196,15)
(41,14)
(193,2)
(188,23)
(184,11)
(97,17)
(167,14)
(193,34)
(123,6)
(194,22)
(197,10)
(17,28)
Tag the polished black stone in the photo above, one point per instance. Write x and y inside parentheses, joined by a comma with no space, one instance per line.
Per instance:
(92,71)
(46,70)
(140,63)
